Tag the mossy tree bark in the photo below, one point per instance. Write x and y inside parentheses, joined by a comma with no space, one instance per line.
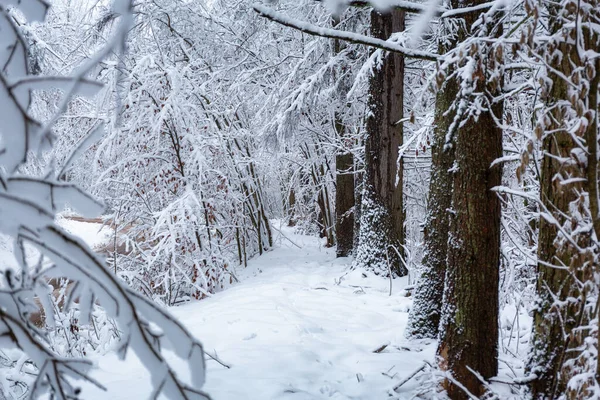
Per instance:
(469,328)
(382,214)
(567,253)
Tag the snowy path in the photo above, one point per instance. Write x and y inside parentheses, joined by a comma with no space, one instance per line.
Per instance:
(292,330)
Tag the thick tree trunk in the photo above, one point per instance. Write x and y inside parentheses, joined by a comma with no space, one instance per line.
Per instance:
(469,327)
(566,255)
(549,342)
(382,214)
(424,318)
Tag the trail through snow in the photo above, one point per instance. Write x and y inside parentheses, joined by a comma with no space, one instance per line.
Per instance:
(300,325)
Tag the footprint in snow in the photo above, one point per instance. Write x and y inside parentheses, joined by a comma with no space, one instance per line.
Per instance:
(250,337)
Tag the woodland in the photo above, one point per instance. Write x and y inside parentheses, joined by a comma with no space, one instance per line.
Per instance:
(443,151)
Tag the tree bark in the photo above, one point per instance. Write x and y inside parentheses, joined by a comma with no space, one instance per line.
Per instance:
(358,190)
(469,327)
(344,201)
(344,177)
(382,215)
(425,314)
(566,252)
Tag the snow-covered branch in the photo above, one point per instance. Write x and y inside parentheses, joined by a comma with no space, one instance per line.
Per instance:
(342,35)
(417,8)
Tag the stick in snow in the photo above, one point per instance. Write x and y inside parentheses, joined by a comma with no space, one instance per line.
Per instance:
(217,359)
(409,377)
(381,348)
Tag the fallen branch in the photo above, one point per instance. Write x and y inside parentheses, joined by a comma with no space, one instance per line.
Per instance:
(409,377)
(381,348)
(285,237)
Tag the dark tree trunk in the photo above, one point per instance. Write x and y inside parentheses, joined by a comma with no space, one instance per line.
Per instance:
(469,328)
(344,202)
(291,204)
(344,178)
(358,189)
(424,318)
(382,214)
(470,331)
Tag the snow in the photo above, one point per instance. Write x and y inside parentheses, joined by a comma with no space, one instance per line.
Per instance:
(300,325)
(92,233)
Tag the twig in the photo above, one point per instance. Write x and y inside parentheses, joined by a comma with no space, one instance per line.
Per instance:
(286,238)
(459,385)
(518,382)
(381,348)
(409,377)
(217,359)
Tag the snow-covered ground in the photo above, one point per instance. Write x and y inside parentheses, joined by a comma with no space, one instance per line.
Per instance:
(301,325)
(92,233)
(298,326)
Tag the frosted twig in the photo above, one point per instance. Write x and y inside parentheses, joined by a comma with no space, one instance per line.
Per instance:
(409,377)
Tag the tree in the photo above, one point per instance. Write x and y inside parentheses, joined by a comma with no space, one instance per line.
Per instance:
(182,173)
(344,179)
(425,314)
(567,126)
(468,345)
(381,237)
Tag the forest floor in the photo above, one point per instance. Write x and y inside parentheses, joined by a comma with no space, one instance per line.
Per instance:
(300,325)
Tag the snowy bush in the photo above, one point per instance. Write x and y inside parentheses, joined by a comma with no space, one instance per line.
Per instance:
(28,206)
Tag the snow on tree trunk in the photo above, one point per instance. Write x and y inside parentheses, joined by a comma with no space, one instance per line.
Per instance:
(469,328)
(381,237)
(425,314)
(564,352)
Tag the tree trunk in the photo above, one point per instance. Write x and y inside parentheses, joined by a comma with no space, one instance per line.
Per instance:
(469,327)
(566,253)
(382,215)
(344,177)
(358,189)
(424,318)
(344,202)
